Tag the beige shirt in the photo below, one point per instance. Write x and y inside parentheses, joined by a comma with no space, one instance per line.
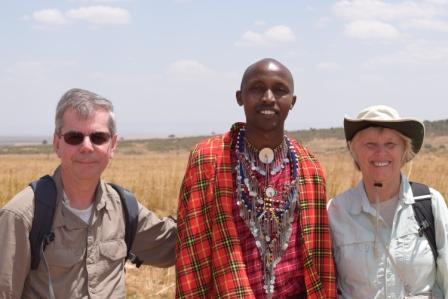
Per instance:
(85,260)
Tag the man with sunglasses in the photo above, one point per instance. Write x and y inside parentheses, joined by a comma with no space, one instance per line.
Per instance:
(87,256)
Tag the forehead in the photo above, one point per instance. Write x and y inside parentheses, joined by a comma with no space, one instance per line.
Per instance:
(378,133)
(267,71)
(97,120)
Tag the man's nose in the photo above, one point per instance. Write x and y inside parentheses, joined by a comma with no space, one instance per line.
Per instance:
(268,96)
(87,145)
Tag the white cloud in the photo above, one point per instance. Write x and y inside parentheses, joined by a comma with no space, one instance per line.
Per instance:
(37,68)
(429,24)
(328,66)
(441,2)
(368,30)
(323,22)
(21,68)
(49,17)
(274,35)
(188,68)
(101,15)
(390,20)
(109,1)
(382,11)
(417,53)
(97,76)
(100,1)
(104,15)
(280,34)
(252,38)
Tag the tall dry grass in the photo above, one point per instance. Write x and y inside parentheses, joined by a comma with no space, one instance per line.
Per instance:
(156,178)
(427,167)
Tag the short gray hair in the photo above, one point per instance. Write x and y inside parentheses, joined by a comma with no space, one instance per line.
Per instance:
(408,152)
(84,102)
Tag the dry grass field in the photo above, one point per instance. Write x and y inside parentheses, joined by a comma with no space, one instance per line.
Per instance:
(155,179)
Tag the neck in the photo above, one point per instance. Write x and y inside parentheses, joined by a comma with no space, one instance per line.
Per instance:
(385,192)
(261,140)
(80,192)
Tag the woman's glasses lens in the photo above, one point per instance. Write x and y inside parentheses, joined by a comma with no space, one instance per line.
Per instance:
(76,138)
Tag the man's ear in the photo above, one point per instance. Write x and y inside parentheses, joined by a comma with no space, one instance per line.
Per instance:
(239,100)
(113,146)
(56,143)
(294,99)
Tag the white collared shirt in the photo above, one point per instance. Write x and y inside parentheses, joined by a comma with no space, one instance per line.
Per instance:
(364,271)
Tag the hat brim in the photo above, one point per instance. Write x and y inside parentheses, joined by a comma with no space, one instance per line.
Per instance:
(411,128)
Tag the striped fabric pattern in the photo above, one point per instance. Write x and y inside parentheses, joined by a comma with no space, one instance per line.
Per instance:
(209,261)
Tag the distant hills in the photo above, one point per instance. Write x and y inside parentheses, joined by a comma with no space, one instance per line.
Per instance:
(436,128)
(22,140)
(433,129)
(172,143)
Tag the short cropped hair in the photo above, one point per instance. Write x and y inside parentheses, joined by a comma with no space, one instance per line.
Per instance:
(408,152)
(84,102)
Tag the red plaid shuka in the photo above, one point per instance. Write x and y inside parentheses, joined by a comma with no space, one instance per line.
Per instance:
(209,261)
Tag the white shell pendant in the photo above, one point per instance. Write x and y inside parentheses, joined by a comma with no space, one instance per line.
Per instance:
(270,192)
(266,155)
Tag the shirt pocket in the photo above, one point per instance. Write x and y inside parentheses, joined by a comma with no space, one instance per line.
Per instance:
(62,260)
(114,250)
(413,255)
(105,266)
(355,263)
(112,254)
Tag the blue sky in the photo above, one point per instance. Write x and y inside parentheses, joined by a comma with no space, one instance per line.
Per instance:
(173,66)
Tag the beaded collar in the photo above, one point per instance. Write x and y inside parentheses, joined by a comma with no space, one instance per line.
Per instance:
(251,154)
(266,208)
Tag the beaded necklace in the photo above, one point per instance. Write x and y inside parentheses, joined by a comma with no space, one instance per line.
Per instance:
(267,209)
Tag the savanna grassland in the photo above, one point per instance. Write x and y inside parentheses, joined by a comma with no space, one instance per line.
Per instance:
(155,178)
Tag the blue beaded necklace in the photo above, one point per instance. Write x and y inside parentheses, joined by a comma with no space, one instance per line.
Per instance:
(267,210)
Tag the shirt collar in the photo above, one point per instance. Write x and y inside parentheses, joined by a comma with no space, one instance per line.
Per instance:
(105,194)
(99,202)
(356,205)
(406,191)
(62,216)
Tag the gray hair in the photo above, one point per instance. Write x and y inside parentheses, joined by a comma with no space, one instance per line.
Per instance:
(408,152)
(84,102)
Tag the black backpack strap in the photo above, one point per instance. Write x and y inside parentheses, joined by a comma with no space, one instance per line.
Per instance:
(44,208)
(423,214)
(130,211)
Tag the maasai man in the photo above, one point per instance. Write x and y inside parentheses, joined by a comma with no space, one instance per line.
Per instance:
(251,219)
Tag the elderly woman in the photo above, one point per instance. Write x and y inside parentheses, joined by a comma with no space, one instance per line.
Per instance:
(380,248)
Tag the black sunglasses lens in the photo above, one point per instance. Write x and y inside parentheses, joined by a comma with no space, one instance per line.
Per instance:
(99,138)
(74,138)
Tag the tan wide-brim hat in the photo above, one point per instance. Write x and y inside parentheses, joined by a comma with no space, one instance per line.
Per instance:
(387,117)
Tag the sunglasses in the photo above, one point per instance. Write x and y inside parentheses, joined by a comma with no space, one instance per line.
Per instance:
(76,138)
